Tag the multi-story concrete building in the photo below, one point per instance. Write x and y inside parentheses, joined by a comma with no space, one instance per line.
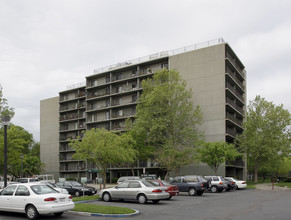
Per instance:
(213,72)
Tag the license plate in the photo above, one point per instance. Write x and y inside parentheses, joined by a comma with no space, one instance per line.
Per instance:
(62,199)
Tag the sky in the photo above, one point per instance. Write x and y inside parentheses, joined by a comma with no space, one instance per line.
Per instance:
(48,45)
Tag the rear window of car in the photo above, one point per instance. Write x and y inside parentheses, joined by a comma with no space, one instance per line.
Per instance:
(155,183)
(165,183)
(147,183)
(192,178)
(43,189)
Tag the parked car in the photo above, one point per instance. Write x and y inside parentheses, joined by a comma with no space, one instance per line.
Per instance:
(34,199)
(216,184)
(27,180)
(239,184)
(172,189)
(140,190)
(194,185)
(230,185)
(61,190)
(125,178)
(77,189)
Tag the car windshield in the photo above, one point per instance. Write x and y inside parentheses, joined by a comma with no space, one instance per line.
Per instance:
(165,183)
(76,184)
(51,184)
(42,189)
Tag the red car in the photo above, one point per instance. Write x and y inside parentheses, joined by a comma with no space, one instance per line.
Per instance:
(172,189)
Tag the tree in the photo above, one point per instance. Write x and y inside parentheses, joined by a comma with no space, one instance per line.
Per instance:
(266,136)
(4,108)
(166,119)
(103,148)
(216,153)
(19,142)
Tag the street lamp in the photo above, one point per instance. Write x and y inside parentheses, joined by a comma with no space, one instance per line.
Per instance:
(21,165)
(5,121)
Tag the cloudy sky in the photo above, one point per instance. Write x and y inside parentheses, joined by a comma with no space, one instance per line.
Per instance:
(48,45)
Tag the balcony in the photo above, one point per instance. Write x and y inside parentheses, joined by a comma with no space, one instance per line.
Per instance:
(234,119)
(235,78)
(235,64)
(235,92)
(235,106)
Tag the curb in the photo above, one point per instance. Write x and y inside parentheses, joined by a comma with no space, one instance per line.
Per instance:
(100,214)
(105,215)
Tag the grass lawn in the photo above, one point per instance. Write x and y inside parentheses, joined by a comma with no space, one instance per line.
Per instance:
(251,185)
(282,184)
(81,207)
(85,198)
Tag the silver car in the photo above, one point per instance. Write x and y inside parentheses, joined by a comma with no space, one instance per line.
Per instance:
(140,190)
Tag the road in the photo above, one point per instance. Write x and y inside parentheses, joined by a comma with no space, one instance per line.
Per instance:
(236,205)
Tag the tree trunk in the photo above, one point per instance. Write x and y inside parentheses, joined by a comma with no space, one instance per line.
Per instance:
(132,171)
(104,178)
(256,168)
(166,176)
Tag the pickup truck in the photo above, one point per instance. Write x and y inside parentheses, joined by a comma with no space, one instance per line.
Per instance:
(194,185)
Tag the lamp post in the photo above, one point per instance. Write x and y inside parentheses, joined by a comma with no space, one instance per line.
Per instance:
(5,121)
(21,165)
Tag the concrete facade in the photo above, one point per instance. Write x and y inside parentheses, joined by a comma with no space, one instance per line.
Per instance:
(214,73)
(49,133)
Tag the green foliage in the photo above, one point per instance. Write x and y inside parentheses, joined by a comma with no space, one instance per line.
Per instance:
(19,142)
(166,120)
(104,148)
(216,153)
(266,136)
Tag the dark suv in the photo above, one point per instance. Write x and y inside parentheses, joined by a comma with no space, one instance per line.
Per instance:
(194,185)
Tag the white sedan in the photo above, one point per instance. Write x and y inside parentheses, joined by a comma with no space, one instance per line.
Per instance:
(34,199)
(240,184)
(140,190)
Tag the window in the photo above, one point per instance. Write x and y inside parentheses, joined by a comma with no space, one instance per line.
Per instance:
(107,79)
(177,180)
(107,115)
(22,191)
(118,76)
(94,82)
(120,113)
(134,98)
(134,185)
(123,185)
(107,103)
(8,191)
(164,65)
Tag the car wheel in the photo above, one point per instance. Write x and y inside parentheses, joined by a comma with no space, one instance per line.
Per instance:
(214,189)
(156,201)
(235,187)
(77,193)
(192,192)
(106,197)
(142,199)
(31,212)
(58,213)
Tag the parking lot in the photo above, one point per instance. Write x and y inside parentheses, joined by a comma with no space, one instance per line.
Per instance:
(233,205)
(237,205)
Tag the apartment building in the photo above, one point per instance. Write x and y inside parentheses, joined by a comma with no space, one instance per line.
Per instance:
(109,96)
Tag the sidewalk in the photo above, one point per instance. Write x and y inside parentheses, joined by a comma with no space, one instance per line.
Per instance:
(268,186)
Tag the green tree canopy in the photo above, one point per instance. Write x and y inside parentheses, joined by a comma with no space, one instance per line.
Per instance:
(19,142)
(216,153)
(266,136)
(166,119)
(104,148)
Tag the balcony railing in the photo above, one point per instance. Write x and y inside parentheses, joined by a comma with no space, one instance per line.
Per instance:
(234,91)
(234,119)
(233,61)
(233,75)
(234,105)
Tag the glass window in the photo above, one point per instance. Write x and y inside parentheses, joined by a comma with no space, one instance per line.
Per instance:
(165,183)
(177,180)
(8,191)
(215,179)
(148,184)
(22,191)
(42,189)
(192,179)
(134,184)
(155,183)
(123,185)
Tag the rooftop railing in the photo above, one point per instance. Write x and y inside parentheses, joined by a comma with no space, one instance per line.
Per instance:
(160,55)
